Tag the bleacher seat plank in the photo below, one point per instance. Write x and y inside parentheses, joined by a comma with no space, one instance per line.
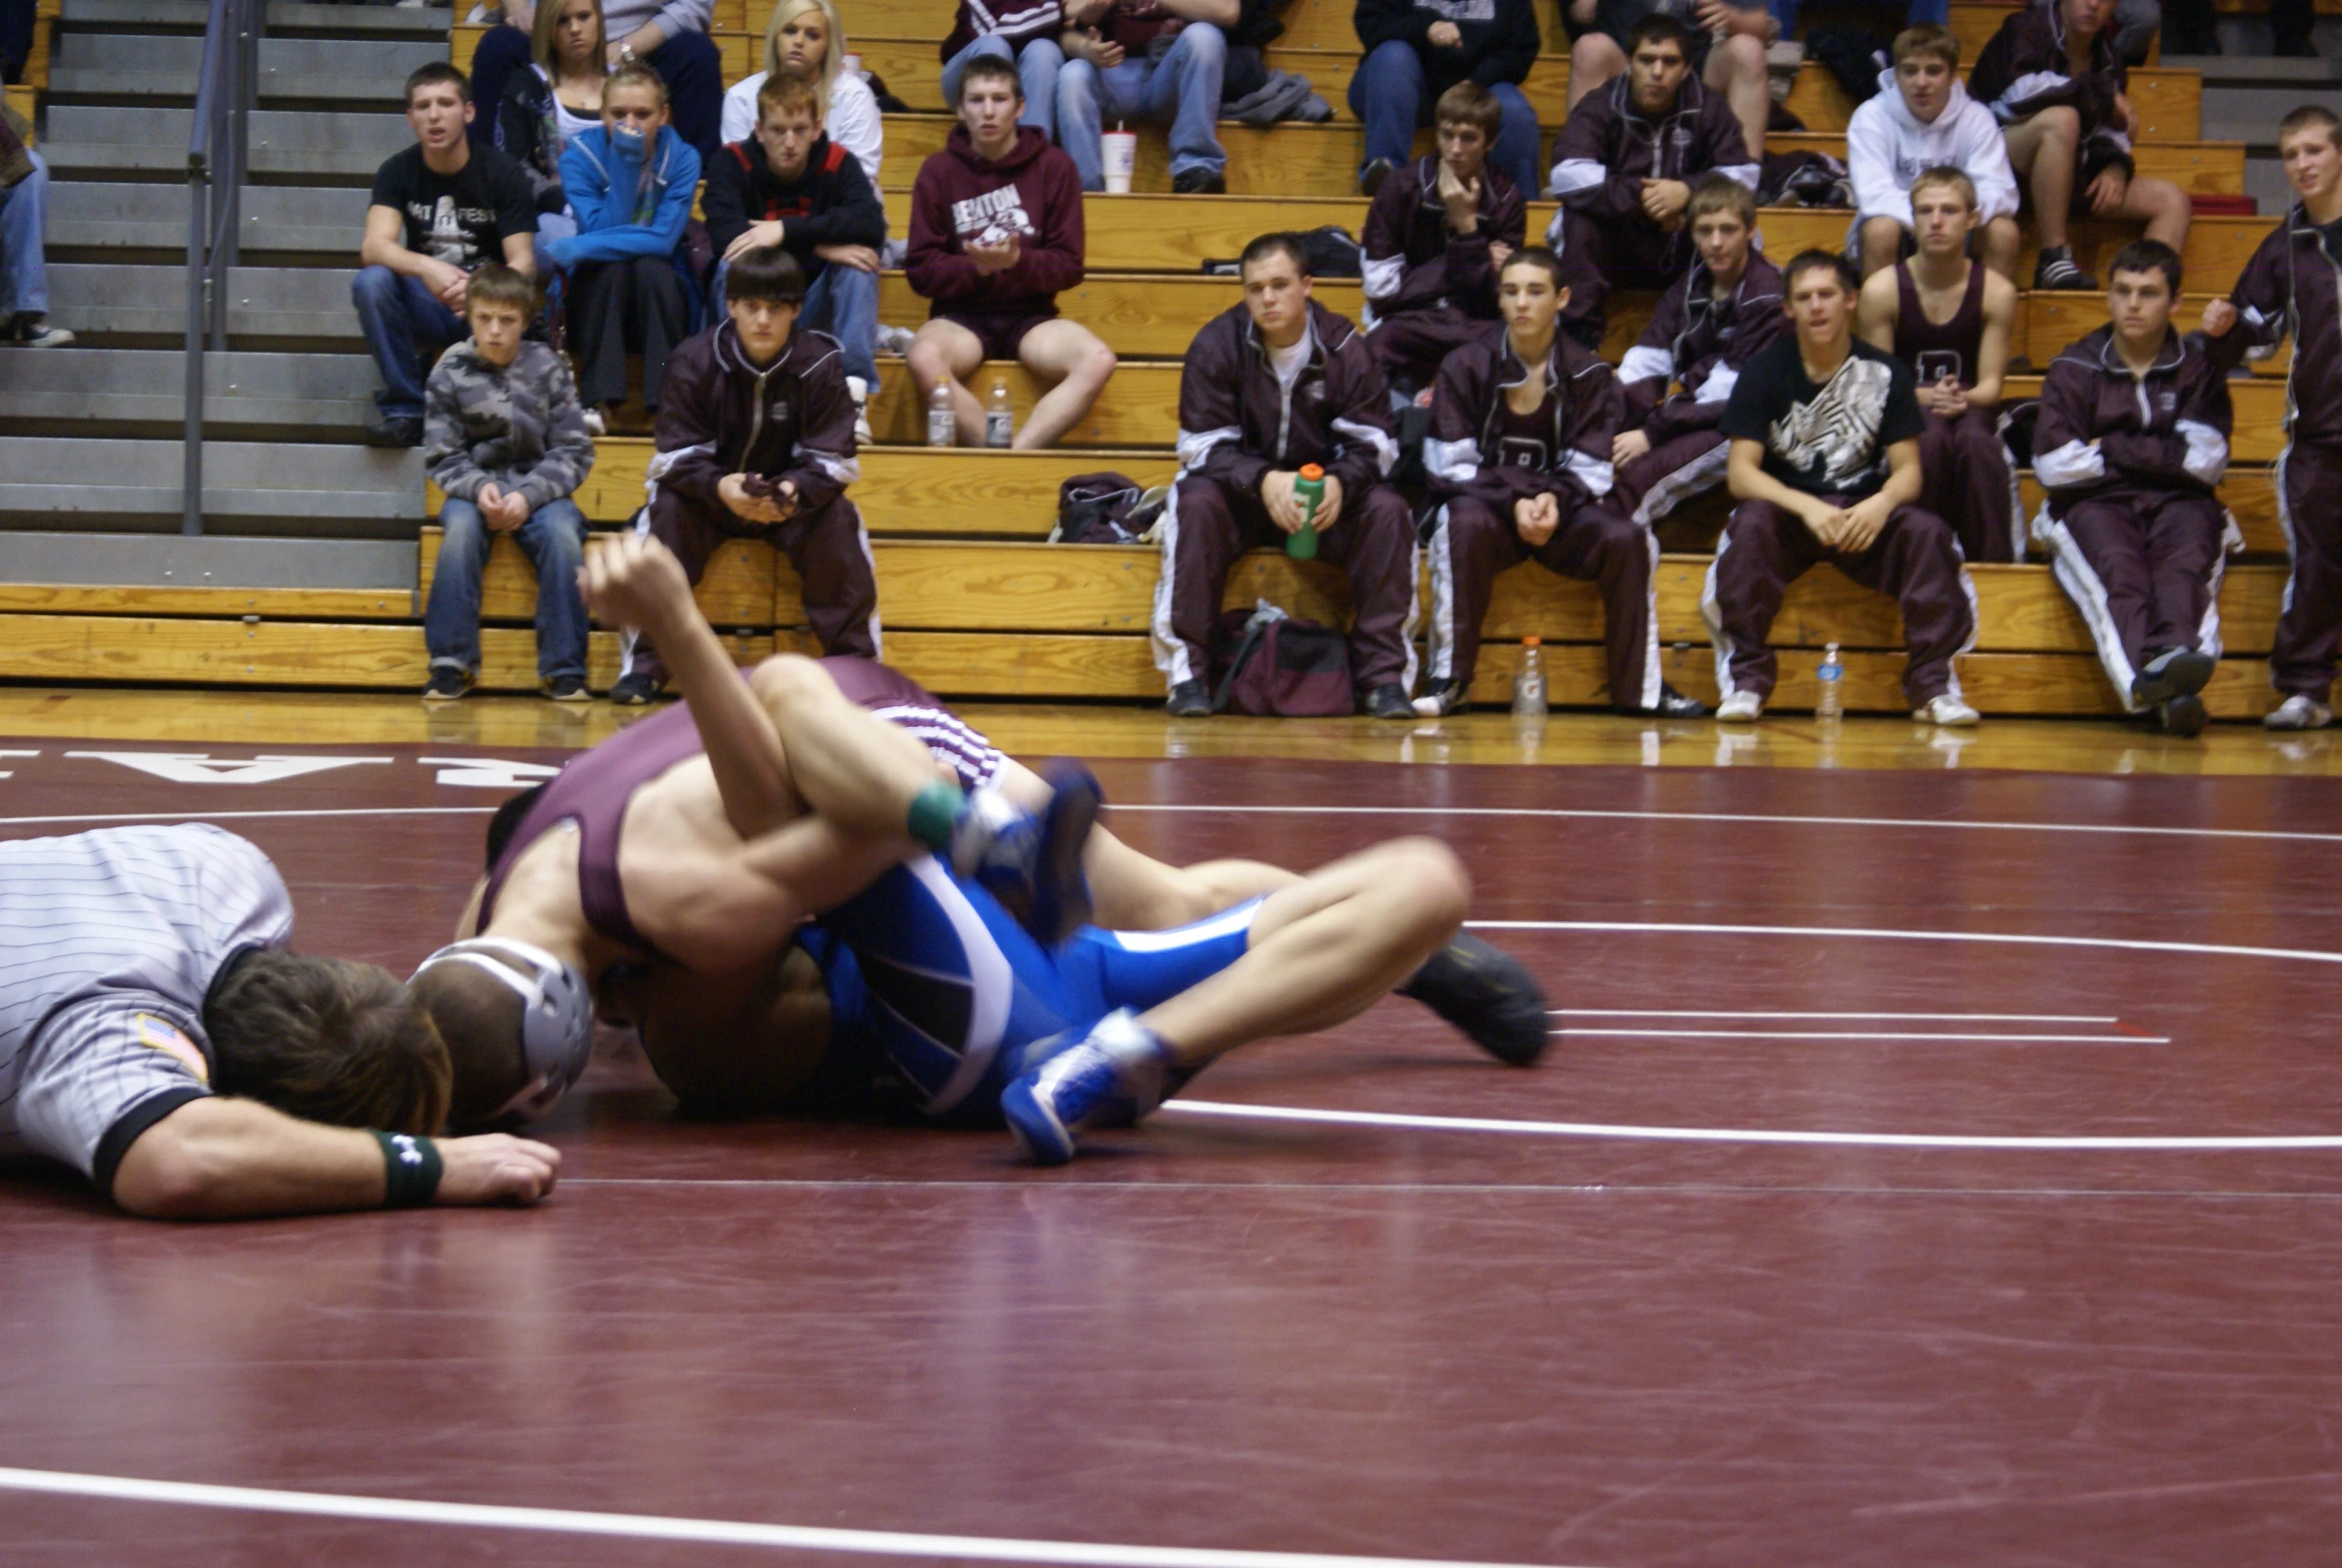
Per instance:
(1153,313)
(2208,168)
(2169,103)
(736,590)
(2054,320)
(272,603)
(962,492)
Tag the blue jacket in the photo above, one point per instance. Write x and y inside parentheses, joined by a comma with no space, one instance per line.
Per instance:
(602,180)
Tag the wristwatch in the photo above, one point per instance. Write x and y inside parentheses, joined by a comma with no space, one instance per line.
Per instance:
(626,53)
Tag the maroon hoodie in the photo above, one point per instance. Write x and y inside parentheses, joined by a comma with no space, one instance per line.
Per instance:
(1033,192)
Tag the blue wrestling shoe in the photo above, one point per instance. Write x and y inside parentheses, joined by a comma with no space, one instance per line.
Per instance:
(1112,1079)
(1032,863)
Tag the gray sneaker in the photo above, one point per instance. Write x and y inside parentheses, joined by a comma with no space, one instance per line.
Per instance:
(2299,713)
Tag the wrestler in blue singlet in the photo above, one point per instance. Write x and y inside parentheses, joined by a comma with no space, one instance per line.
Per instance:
(930,975)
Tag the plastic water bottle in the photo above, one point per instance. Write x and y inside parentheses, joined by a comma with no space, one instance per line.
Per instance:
(942,426)
(1000,420)
(1309,491)
(1528,685)
(1829,705)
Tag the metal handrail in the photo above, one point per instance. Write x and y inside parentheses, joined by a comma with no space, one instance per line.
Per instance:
(217,152)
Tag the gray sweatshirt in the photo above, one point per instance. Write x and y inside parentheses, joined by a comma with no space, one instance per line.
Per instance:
(517,425)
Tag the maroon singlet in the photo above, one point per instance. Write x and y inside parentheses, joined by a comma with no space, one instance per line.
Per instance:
(1934,352)
(594,789)
(1525,440)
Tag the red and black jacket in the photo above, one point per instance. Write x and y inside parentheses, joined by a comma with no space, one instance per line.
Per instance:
(831,203)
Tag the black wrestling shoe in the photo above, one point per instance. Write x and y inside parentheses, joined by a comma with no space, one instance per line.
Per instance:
(1187,700)
(1489,995)
(1672,704)
(2182,716)
(1389,701)
(1199,182)
(1372,177)
(634,690)
(2171,672)
(1444,697)
(2056,269)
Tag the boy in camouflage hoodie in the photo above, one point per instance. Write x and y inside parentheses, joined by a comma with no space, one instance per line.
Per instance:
(506,439)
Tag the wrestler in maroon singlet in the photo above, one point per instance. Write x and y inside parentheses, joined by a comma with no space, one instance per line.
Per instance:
(1963,468)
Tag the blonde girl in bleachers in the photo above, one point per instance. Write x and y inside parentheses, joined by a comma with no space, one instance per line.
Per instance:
(808,35)
(560,97)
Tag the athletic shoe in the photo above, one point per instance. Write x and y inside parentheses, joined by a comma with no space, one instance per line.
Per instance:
(1445,697)
(1187,700)
(568,688)
(1489,995)
(2299,713)
(858,389)
(634,690)
(1742,707)
(2173,673)
(895,340)
(2056,268)
(397,431)
(2183,715)
(1389,701)
(1199,182)
(446,684)
(1372,177)
(1672,704)
(597,423)
(1033,864)
(1947,710)
(30,330)
(1113,1077)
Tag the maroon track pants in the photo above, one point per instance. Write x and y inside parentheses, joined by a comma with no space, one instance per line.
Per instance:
(1374,542)
(1965,480)
(1415,342)
(825,546)
(1670,473)
(2143,567)
(1471,542)
(1626,253)
(2309,633)
(1914,560)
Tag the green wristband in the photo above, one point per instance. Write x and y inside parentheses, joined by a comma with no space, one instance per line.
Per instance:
(935,812)
(410,1169)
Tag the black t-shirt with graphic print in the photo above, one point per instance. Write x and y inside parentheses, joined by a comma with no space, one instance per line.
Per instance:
(465,218)
(1829,439)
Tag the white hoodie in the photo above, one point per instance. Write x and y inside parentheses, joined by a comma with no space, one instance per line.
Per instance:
(1887,148)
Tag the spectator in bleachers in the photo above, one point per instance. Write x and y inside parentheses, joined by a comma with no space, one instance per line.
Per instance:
(1159,60)
(631,182)
(2292,287)
(1824,464)
(995,234)
(1269,386)
(24,217)
(1518,461)
(505,437)
(789,185)
(806,35)
(2130,445)
(1950,320)
(2056,80)
(1724,41)
(1679,378)
(1026,34)
(440,209)
(669,36)
(756,441)
(1435,236)
(1417,50)
(556,99)
(2195,29)
(1922,117)
(1623,167)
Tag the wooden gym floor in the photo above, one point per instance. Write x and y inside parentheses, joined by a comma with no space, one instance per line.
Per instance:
(1938,1162)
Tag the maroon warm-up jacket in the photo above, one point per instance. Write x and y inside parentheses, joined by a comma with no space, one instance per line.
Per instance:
(1694,337)
(2293,284)
(2165,434)
(1236,425)
(720,414)
(1413,261)
(1464,454)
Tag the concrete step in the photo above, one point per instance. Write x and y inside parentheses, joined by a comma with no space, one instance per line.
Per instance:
(325,20)
(172,561)
(2243,68)
(345,146)
(164,65)
(323,392)
(341,490)
(324,220)
(304,302)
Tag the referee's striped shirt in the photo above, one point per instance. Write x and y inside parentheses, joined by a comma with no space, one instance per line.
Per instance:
(108,943)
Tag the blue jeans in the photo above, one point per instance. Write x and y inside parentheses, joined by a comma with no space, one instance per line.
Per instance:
(554,538)
(24,219)
(842,301)
(1183,87)
(1390,93)
(394,313)
(1037,68)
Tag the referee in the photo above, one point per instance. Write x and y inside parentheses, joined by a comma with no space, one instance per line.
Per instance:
(155,1034)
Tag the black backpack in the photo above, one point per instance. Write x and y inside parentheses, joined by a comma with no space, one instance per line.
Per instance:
(1105,509)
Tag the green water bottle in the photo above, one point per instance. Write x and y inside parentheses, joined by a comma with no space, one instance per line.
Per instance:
(1309,491)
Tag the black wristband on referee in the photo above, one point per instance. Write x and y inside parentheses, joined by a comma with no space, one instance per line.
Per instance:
(410,1169)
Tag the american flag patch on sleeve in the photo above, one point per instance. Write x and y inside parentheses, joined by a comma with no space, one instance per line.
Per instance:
(160,1035)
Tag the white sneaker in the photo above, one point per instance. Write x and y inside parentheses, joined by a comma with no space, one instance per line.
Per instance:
(2299,713)
(595,425)
(1947,710)
(1742,707)
(858,389)
(895,339)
